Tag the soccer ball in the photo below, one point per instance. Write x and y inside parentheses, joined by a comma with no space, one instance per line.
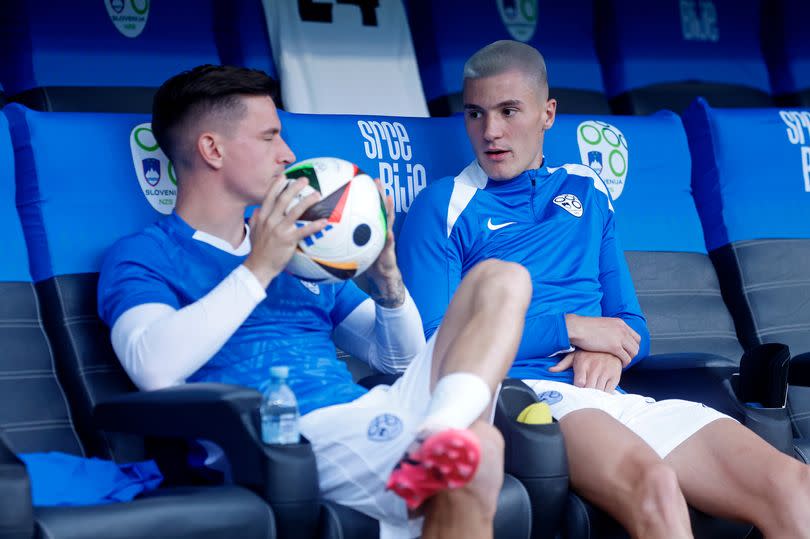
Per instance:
(357,222)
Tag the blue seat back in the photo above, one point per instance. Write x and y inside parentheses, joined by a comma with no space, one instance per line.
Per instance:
(751,179)
(14,255)
(93,44)
(645,163)
(751,173)
(447,33)
(644,43)
(33,411)
(405,153)
(80,195)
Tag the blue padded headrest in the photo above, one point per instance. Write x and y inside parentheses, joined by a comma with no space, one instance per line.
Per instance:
(241,34)
(784,41)
(13,255)
(750,173)
(405,153)
(81,177)
(648,180)
(77,43)
(77,189)
(447,33)
(643,43)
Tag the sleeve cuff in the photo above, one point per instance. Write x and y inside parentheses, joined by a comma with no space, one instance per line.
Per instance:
(250,282)
(396,310)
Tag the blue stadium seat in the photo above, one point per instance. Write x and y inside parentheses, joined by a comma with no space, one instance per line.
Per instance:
(38,417)
(657,224)
(100,56)
(446,33)
(240,30)
(784,42)
(751,181)
(645,164)
(658,55)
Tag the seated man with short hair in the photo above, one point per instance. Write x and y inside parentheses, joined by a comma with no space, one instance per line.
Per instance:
(638,459)
(202,296)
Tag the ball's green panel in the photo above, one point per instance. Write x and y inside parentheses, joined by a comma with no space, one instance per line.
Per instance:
(304,171)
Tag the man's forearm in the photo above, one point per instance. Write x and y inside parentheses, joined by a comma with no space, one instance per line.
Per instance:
(387,290)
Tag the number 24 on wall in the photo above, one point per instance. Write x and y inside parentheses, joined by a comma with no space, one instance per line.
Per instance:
(312,11)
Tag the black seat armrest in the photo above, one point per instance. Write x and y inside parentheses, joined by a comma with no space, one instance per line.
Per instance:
(16,510)
(800,370)
(696,377)
(535,456)
(284,475)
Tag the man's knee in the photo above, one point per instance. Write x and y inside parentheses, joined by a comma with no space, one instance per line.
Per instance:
(657,487)
(790,487)
(502,282)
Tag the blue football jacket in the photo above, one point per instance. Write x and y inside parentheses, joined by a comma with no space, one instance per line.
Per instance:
(558,222)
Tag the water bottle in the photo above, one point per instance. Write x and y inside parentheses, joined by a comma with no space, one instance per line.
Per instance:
(279,410)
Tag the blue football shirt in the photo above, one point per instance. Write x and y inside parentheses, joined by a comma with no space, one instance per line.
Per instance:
(292,326)
(555,221)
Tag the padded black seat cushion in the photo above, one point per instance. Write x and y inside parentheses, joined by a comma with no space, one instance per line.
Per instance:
(513,518)
(677,96)
(569,101)
(88,99)
(198,513)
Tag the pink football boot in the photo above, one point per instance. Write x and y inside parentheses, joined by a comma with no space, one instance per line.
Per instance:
(446,459)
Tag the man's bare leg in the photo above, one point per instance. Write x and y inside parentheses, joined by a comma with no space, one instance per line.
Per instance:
(616,470)
(483,325)
(480,334)
(726,470)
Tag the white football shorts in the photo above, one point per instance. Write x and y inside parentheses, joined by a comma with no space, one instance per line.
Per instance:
(664,425)
(357,445)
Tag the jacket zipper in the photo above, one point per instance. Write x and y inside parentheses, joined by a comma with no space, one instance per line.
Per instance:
(531,202)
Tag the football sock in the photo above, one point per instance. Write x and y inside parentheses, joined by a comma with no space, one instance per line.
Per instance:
(458,399)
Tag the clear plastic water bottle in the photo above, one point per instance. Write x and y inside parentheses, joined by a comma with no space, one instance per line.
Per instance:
(279,410)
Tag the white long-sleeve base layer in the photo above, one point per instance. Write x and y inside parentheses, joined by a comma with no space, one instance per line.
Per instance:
(145,337)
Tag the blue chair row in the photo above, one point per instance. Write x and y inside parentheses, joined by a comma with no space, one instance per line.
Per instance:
(639,55)
(70,218)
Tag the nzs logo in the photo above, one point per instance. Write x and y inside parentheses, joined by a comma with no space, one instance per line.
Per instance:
(384,427)
(550,397)
(569,203)
(603,148)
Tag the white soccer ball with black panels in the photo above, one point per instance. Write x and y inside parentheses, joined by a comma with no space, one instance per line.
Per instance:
(357,221)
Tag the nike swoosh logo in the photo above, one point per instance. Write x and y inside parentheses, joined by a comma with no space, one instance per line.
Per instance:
(498,227)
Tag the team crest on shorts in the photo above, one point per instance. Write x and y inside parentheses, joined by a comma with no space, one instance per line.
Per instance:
(550,397)
(384,427)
